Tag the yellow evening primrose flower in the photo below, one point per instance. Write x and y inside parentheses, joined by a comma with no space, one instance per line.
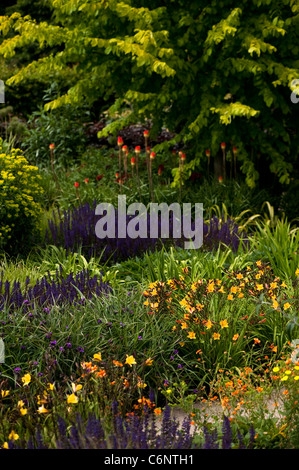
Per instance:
(26,379)
(23,411)
(276,369)
(130,360)
(72,398)
(224,324)
(284,378)
(97,357)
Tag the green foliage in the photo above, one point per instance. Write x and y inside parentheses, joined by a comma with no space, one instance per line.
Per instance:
(212,73)
(19,206)
(64,129)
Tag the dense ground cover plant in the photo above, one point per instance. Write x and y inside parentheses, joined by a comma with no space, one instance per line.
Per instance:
(19,201)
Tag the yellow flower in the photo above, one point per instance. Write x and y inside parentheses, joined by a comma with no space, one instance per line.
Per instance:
(297,272)
(283,284)
(13,436)
(276,369)
(239,276)
(259,286)
(258,263)
(209,324)
(76,388)
(234,289)
(230,297)
(235,337)
(216,336)
(286,306)
(296,377)
(42,410)
(26,379)
(191,335)
(5,445)
(72,398)
(149,361)
(23,411)
(130,360)
(224,324)
(50,386)
(4,393)
(97,357)
(184,325)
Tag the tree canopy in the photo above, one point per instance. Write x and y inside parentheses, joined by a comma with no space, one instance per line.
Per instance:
(211,72)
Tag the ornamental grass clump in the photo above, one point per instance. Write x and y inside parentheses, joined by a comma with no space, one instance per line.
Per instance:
(20,210)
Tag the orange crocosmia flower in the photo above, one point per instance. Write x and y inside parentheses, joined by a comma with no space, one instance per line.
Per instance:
(241,295)
(274,349)
(256,340)
(239,276)
(157,411)
(234,289)
(209,324)
(216,335)
(149,361)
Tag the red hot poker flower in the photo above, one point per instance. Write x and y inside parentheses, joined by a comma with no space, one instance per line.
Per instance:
(119,141)
(223,145)
(208,153)
(125,148)
(152,155)
(76,185)
(183,156)
(133,161)
(146,133)
(52,146)
(138,149)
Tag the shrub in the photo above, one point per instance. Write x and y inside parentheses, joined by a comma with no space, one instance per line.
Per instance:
(63,129)
(19,206)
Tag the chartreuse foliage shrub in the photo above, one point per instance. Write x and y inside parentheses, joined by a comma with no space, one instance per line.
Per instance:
(209,72)
(20,210)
